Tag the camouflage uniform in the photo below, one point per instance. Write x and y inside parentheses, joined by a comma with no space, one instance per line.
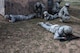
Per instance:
(64,14)
(60,32)
(48,16)
(56,8)
(39,8)
(14,18)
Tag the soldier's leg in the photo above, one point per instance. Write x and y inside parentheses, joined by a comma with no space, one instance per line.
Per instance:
(37,14)
(55,16)
(41,15)
(49,24)
(31,16)
(65,18)
(44,25)
(62,18)
(42,11)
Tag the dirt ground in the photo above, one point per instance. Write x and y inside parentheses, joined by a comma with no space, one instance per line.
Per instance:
(28,37)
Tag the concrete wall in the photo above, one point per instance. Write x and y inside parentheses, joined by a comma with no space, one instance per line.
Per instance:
(2,12)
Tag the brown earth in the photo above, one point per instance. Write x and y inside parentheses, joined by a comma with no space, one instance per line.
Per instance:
(75,12)
(28,37)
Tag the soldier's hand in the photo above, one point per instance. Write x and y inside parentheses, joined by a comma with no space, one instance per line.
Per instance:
(64,38)
(10,21)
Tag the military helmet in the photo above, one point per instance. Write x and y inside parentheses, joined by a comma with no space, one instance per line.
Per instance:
(67,4)
(45,12)
(6,16)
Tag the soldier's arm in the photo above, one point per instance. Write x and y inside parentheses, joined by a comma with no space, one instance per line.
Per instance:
(31,16)
(57,36)
(66,12)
